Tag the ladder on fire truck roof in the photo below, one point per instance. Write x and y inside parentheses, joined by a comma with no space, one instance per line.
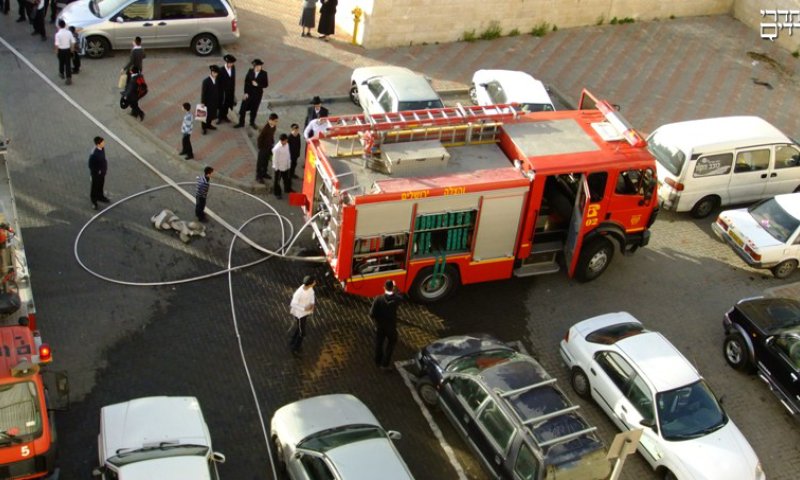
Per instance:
(353,124)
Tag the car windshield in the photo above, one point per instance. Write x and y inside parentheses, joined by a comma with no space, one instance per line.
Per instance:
(20,415)
(668,157)
(104,8)
(689,412)
(419,105)
(774,219)
(336,437)
(162,450)
(480,361)
(537,107)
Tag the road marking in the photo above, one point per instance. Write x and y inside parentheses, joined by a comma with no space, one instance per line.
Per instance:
(437,432)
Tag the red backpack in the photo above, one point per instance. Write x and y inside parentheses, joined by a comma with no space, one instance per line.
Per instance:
(141,86)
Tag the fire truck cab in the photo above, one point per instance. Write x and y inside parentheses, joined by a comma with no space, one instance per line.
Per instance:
(436,198)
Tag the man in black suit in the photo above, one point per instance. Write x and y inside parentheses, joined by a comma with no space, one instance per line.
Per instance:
(210,98)
(227,85)
(255,82)
(315,110)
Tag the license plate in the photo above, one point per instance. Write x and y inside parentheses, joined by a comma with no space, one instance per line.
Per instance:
(736,238)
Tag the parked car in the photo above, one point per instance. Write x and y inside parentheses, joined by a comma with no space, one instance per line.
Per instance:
(391,89)
(202,25)
(157,438)
(639,379)
(509,411)
(492,87)
(763,335)
(335,437)
(766,235)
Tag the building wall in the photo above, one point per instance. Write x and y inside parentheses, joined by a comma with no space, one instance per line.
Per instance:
(749,13)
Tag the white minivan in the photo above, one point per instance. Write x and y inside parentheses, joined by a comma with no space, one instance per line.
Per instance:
(704,164)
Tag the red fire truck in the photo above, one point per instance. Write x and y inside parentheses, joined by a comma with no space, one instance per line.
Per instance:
(436,198)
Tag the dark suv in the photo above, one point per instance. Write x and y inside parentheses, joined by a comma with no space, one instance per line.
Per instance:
(763,335)
(509,410)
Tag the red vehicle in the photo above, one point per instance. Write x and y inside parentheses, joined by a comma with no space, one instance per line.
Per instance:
(436,198)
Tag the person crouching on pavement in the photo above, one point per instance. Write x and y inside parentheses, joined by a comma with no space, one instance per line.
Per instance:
(281,162)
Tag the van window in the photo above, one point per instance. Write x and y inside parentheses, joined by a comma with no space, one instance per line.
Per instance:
(787,156)
(176,9)
(669,157)
(711,165)
(752,161)
(138,11)
(210,8)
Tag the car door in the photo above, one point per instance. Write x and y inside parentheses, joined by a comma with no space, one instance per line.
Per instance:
(498,431)
(176,23)
(635,410)
(784,175)
(136,19)
(782,361)
(609,374)
(750,175)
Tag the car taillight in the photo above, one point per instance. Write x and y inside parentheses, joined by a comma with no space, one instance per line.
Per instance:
(722,224)
(752,253)
(234,25)
(566,336)
(672,183)
(45,355)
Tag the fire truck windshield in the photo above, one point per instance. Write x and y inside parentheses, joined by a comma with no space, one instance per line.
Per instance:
(20,415)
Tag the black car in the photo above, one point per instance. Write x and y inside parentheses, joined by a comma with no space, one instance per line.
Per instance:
(763,336)
(509,410)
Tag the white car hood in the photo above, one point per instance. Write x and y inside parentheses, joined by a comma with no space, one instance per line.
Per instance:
(748,229)
(721,454)
(298,420)
(151,420)
(77,14)
(173,468)
(368,460)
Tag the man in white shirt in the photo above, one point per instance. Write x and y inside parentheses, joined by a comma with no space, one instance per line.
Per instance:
(317,126)
(301,308)
(64,45)
(281,161)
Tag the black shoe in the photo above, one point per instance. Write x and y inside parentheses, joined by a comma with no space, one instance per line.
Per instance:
(203,220)
(68,81)
(104,200)
(204,131)
(260,180)
(189,157)
(94,206)
(238,125)
(141,116)
(75,72)
(253,125)
(21,19)
(181,153)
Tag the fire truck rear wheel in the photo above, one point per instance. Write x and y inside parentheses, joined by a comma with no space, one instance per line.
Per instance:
(595,258)
(429,289)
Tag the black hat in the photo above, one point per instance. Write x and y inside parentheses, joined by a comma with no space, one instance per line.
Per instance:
(229,58)
(213,68)
(388,286)
(308,280)
(257,61)
(316,100)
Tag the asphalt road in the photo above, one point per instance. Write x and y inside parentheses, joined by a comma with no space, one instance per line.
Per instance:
(120,342)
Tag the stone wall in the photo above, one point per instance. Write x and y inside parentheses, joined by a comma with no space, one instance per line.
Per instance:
(403,22)
(749,13)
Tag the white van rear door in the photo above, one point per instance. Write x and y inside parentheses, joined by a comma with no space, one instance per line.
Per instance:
(750,175)
(784,177)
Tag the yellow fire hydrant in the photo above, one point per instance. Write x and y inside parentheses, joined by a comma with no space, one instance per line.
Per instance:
(357,12)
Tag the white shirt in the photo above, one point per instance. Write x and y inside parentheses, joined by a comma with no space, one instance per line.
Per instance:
(316,127)
(280,157)
(64,39)
(302,302)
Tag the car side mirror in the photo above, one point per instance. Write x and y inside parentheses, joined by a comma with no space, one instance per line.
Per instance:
(651,424)
(297,455)
(119,19)
(394,435)
(99,471)
(484,85)
(217,457)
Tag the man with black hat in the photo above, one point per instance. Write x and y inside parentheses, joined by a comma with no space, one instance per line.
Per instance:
(315,110)
(384,314)
(301,308)
(209,97)
(255,82)
(227,85)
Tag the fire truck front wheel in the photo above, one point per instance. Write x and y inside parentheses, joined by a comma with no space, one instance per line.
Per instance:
(429,287)
(595,258)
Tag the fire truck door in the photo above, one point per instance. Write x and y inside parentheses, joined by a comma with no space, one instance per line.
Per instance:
(572,247)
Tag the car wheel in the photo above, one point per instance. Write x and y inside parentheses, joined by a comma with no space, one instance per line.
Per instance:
(784,269)
(736,354)
(427,392)
(580,383)
(281,460)
(473,94)
(669,476)
(704,206)
(429,287)
(204,44)
(595,258)
(97,47)
(354,95)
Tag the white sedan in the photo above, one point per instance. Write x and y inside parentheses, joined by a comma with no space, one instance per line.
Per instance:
(492,87)
(766,235)
(391,89)
(335,437)
(642,381)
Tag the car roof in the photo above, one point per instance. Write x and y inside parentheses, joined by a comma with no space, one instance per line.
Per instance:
(658,361)
(720,133)
(407,85)
(369,459)
(519,86)
(790,202)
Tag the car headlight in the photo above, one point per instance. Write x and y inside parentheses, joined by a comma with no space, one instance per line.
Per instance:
(760,472)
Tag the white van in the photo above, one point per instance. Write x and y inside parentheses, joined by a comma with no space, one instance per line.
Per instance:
(704,164)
